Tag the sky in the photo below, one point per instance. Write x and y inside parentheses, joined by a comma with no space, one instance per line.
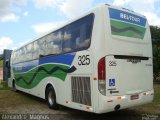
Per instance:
(24,20)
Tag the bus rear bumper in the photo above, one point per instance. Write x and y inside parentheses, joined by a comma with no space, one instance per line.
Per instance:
(114,103)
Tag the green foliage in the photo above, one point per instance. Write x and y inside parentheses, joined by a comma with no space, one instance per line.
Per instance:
(155,33)
(153,107)
(3,85)
(1,63)
(157,94)
(156,61)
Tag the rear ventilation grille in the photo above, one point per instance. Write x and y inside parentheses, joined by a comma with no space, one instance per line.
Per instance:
(81,90)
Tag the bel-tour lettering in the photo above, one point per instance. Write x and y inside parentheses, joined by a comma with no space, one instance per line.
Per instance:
(129,17)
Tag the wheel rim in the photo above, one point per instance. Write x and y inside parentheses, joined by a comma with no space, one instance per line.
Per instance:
(51,97)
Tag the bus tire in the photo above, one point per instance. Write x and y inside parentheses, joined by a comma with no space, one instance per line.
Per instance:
(14,86)
(51,98)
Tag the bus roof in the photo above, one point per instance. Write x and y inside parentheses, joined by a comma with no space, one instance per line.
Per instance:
(76,18)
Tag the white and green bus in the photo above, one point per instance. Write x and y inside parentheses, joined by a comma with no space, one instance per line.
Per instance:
(98,62)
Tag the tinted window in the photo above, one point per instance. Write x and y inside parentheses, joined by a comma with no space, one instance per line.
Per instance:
(42,45)
(23,54)
(54,42)
(28,52)
(73,37)
(77,35)
(35,50)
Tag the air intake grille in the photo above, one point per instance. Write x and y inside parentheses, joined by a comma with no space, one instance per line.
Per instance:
(81,90)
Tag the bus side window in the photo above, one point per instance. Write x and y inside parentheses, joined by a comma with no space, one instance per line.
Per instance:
(28,52)
(20,55)
(71,32)
(67,42)
(54,42)
(77,35)
(84,40)
(15,60)
(35,51)
(42,46)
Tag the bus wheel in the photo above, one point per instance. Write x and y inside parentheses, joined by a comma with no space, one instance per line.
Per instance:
(14,86)
(51,98)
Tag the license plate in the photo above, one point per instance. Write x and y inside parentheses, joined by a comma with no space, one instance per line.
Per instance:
(133,97)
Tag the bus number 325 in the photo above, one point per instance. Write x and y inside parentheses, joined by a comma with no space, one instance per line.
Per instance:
(83,60)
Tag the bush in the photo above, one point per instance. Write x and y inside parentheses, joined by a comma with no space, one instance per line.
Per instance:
(3,85)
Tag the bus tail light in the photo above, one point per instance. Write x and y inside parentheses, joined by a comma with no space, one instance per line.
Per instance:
(102,76)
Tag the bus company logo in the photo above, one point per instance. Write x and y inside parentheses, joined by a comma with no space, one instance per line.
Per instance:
(127,24)
(134,61)
(129,17)
(125,16)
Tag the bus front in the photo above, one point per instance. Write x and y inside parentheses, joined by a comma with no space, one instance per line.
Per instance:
(125,68)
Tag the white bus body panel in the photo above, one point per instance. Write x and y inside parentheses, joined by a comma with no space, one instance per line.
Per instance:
(130,79)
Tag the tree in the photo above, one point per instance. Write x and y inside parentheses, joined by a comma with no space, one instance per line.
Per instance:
(156,61)
(155,33)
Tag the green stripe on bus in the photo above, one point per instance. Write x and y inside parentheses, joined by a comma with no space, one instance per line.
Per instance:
(32,78)
(127,29)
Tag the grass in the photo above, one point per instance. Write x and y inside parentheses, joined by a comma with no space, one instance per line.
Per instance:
(157,94)
(154,107)
(3,85)
(1,63)
(24,103)
(158,78)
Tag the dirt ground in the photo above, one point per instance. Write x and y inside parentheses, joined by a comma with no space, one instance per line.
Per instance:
(21,103)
